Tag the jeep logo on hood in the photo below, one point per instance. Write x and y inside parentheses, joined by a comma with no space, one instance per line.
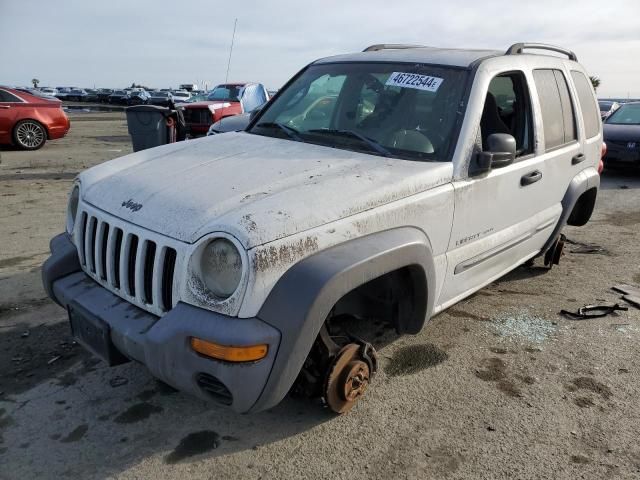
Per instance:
(131,205)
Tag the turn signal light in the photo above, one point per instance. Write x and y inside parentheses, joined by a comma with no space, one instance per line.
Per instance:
(229,353)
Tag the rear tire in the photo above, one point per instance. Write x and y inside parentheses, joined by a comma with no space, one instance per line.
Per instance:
(29,135)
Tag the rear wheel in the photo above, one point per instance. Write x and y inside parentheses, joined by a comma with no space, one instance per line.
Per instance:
(29,135)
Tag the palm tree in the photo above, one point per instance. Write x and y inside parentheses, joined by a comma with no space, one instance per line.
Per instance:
(595,81)
(35,82)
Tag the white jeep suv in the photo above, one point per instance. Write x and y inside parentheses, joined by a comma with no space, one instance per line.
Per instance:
(387,184)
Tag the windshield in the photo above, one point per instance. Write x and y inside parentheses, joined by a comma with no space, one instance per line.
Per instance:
(398,110)
(119,92)
(626,115)
(229,93)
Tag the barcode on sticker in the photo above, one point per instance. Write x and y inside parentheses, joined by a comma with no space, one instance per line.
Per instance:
(414,80)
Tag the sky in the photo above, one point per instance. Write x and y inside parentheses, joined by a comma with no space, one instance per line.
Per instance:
(162,44)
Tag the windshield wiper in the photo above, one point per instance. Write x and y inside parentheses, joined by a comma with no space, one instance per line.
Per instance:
(291,132)
(372,144)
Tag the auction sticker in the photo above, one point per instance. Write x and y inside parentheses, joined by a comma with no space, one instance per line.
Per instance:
(414,80)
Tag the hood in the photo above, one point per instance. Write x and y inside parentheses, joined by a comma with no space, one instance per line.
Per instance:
(256,188)
(625,133)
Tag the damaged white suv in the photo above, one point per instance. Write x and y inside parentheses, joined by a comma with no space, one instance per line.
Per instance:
(387,184)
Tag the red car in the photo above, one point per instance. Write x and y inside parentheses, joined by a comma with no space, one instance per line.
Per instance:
(27,121)
(223,101)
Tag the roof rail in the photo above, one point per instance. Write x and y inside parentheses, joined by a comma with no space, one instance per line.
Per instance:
(517,48)
(390,46)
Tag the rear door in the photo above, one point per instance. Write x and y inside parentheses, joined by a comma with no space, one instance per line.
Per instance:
(502,217)
(9,105)
(564,155)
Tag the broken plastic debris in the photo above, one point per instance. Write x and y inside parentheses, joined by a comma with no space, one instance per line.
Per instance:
(118,381)
(632,299)
(593,311)
(54,359)
(580,247)
(627,289)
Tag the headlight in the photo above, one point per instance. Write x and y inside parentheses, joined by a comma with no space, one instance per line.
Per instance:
(221,267)
(72,208)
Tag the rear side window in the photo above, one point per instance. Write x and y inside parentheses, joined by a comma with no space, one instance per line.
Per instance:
(587,104)
(558,114)
(8,97)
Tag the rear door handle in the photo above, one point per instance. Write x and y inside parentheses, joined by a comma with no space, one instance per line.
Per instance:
(530,178)
(5,106)
(578,158)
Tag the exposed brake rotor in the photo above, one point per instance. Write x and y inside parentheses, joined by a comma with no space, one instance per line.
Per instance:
(349,375)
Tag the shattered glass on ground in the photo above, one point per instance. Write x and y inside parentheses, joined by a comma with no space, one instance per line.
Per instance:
(523,326)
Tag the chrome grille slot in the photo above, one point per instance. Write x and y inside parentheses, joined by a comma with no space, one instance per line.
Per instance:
(117,250)
(89,244)
(83,233)
(168,268)
(104,242)
(131,262)
(149,259)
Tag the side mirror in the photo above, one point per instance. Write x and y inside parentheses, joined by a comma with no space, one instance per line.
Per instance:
(501,152)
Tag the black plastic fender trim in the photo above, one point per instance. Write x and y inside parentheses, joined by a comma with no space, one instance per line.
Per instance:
(301,300)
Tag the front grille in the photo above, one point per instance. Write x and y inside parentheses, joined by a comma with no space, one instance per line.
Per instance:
(623,143)
(126,261)
(215,388)
(197,116)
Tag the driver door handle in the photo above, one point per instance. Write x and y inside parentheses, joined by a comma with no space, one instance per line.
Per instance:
(5,106)
(530,178)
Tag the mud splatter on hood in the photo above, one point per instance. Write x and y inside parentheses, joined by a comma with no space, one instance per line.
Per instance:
(256,188)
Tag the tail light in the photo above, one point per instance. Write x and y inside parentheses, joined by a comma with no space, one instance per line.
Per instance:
(603,152)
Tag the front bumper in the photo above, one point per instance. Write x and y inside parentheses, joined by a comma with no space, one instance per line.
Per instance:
(162,343)
(622,155)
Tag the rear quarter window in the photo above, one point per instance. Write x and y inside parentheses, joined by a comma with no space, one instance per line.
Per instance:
(8,97)
(587,103)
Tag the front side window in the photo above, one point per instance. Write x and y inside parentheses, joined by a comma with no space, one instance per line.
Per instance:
(507,109)
(407,111)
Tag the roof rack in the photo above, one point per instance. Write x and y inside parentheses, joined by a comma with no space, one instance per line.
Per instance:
(390,46)
(517,48)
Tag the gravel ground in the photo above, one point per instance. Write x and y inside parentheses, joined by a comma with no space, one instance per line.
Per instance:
(500,386)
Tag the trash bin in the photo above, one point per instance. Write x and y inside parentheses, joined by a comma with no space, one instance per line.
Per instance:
(150,126)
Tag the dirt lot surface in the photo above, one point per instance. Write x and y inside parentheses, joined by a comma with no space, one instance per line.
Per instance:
(500,386)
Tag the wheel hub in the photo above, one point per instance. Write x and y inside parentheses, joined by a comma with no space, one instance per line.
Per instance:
(349,376)
(357,380)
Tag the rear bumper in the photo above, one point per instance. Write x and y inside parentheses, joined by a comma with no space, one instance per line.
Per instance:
(162,343)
